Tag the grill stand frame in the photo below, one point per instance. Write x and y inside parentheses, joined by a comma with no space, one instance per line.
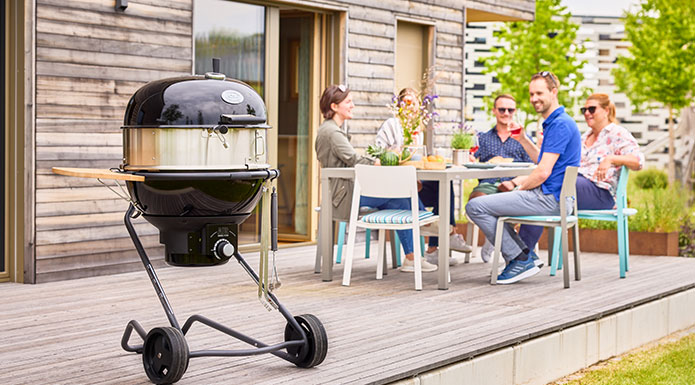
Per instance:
(302,346)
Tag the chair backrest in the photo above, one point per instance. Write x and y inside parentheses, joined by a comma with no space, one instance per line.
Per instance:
(386,181)
(621,190)
(569,191)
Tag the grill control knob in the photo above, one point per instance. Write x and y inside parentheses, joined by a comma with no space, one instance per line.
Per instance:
(223,249)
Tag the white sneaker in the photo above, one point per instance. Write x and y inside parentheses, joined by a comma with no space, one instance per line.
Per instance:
(433,258)
(408,266)
(486,251)
(456,242)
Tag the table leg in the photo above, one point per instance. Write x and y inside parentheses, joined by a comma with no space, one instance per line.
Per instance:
(443,275)
(326,238)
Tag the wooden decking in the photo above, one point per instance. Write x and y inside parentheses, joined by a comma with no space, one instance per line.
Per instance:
(379,331)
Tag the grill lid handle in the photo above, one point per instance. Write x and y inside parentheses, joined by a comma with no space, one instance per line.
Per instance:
(241,120)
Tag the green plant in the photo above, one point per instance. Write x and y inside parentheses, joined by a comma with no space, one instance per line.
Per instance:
(461,141)
(650,178)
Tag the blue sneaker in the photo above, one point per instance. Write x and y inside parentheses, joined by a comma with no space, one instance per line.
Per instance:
(517,270)
(536,260)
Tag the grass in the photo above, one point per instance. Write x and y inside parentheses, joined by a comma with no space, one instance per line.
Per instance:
(670,363)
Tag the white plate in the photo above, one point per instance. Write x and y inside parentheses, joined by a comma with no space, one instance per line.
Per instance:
(515,164)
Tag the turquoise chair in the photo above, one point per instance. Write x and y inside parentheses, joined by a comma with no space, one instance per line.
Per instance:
(620,215)
(561,223)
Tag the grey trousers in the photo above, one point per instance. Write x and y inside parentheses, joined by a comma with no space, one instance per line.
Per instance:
(485,210)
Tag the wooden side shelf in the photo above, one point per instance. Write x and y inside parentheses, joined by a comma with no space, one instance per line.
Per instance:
(97,173)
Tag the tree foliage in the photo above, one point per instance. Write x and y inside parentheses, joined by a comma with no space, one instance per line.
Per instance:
(661,64)
(660,70)
(545,44)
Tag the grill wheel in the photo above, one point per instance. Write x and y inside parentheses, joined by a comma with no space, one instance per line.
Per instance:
(165,355)
(314,351)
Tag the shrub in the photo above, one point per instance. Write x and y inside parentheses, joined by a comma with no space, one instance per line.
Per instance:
(686,237)
(660,208)
(651,178)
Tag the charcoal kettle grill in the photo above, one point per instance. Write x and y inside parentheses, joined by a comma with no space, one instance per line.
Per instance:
(195,167)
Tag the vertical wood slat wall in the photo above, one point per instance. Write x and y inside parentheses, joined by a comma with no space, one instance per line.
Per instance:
(89,60)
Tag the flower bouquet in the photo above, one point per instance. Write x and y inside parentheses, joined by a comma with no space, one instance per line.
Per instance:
(412,114)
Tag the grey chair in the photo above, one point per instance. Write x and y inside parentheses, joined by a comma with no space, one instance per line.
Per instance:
(564,222)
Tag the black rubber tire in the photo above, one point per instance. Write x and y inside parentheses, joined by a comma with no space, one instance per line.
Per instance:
(314,352)
(165,355)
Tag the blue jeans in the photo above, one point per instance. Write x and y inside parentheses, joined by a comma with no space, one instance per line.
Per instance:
(589,197)
(429,196)
(405,236)
(485,210)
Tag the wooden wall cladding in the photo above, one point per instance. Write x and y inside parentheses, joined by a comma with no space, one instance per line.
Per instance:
(89,60)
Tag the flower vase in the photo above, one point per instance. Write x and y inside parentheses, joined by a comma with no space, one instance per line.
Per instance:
(460,157)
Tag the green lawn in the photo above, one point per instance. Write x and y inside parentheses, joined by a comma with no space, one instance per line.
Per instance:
(671,363)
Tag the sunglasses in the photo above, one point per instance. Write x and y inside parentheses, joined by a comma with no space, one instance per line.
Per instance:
(591,110)
(503,110)
(342,87)
(547,74)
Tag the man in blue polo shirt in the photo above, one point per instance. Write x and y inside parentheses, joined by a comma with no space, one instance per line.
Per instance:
(539,194)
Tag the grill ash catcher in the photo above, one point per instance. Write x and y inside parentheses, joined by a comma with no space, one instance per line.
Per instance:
(195,167)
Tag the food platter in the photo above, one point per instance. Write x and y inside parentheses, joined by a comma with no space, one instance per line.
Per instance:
(515,164)
(480,165)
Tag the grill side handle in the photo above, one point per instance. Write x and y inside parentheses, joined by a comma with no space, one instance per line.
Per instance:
(241,120)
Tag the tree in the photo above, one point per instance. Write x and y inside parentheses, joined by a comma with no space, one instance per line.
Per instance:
(545,44)
(660,70)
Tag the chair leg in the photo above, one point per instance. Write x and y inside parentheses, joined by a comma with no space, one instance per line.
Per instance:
(317,263)
(622,245)
(422,245)
(627,245)
(553,249)
(472,234)
(577,253)
(368,235)
(382,255)
(565,259)
(558,245)
(341,241)
(417,260)
(347,270)
(393,245)
(498,251)
(397,242)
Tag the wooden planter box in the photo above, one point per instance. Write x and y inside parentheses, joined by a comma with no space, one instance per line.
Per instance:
(606,241)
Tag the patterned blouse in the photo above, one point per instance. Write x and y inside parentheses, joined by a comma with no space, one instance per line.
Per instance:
(612,140)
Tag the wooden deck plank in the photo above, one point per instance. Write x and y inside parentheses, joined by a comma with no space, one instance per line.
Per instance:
(378,331)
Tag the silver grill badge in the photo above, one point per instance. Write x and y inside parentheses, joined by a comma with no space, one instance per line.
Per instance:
(232,97)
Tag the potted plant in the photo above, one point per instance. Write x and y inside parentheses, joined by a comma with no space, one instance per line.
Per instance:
(461,143)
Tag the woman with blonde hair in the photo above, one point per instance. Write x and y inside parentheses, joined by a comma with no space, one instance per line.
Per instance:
(605,148)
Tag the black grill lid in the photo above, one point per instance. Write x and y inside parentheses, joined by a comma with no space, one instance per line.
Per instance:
(195,101)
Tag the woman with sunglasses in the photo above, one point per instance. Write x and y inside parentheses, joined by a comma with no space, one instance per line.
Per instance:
(606,147)
(333,149)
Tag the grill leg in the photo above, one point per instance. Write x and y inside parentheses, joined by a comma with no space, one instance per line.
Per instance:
(149,268)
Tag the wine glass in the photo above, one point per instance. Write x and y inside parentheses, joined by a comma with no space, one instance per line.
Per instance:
(475,145)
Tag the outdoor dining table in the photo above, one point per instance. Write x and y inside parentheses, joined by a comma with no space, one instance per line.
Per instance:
(444,177)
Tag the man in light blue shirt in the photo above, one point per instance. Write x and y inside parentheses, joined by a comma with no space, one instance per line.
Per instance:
(539,194)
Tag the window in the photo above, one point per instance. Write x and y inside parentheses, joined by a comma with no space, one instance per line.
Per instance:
(233,32)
